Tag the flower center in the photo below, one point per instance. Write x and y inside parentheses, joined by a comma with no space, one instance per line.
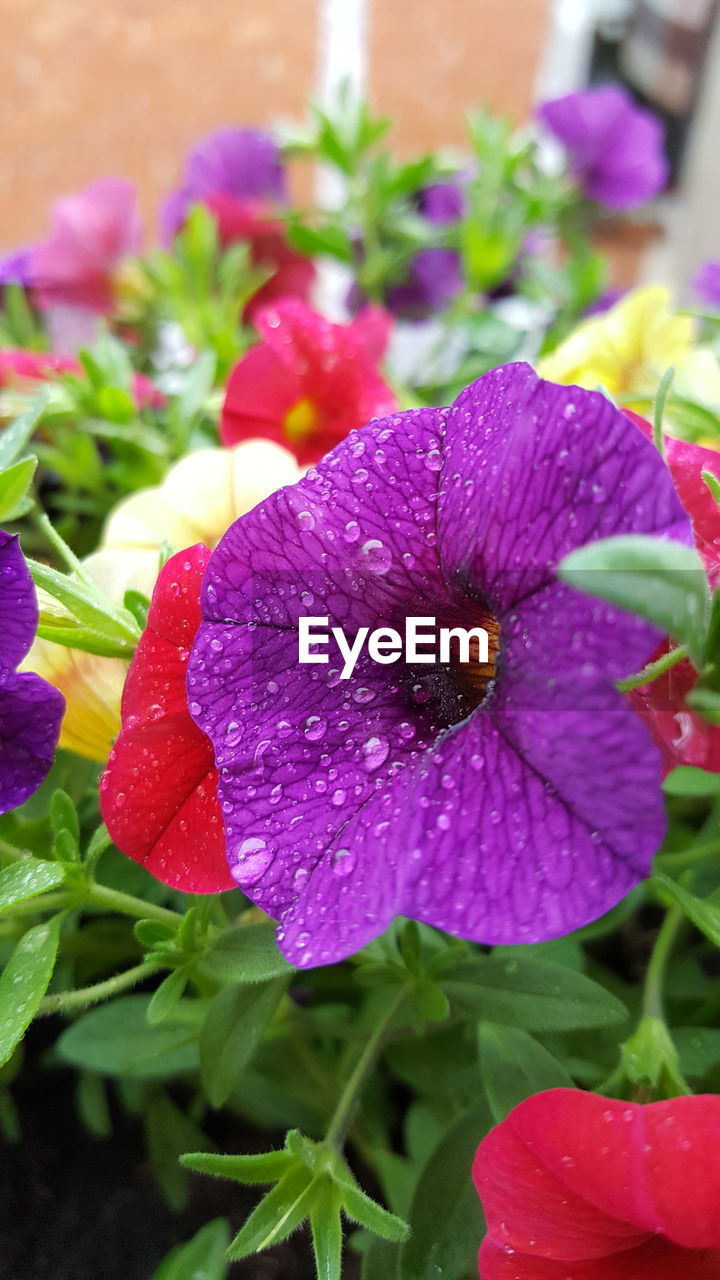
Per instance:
(300,421)
(460,686)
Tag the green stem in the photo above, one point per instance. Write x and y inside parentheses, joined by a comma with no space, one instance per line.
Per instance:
(64,1001)
(653,999)
(653,670)
(127,905)
(349,1097)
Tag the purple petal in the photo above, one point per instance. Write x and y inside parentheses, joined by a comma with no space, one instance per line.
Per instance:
(30,715)
(16,267)
(536,470)
(442,202)
(348,802)
(243,163)
(18,605)
(707,284)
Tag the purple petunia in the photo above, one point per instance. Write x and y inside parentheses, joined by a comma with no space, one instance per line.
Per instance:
(245,164)
(503,803)
(16,267)
(615,148)
(707,284)
(30,708)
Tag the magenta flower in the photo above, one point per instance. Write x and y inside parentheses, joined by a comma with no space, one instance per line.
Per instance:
(30,708)
(92,232)
(615,148)
(244,164)
(506,802)
(707,284)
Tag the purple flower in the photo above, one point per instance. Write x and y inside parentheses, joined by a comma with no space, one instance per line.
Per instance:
(615,148)
(30,708)
(16,267)
(434,277)
(243,163)
(442,202)
(707,284)
(506,803)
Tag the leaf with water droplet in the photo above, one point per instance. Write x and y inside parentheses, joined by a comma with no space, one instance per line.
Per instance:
(26,879)
(24,982)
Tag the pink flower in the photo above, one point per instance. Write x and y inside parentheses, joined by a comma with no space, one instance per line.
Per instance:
(92,232)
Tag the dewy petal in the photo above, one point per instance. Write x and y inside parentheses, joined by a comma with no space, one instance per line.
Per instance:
(30,714)
(655,1259)
(18,605)
(159,792)
(536,470)
(347,802)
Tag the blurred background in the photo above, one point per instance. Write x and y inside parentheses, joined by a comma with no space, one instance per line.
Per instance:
(127,86)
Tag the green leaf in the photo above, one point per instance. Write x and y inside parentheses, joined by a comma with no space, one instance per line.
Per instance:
(198,385)
(170,991)
(661,580)
(380,1259)
(531,993)
(92,1103)
(327,1235)
(698,1049)
(232,1030)
(446,1224)
(687,780)
(704,913)
(202,1258)
(14,484)
(25,879)
(169,1133)
(15,437)
(277,1215)
(514,1066)
(269,1166)
(245,953)
(24,982)
(363,1209)
(116,1039)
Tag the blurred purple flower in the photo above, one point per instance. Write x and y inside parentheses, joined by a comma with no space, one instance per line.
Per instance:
(92,232)
(442,202)
(504,803)
(433,279)
(30,708)
(707,284)
(243,163)
(615,148)
(16,267)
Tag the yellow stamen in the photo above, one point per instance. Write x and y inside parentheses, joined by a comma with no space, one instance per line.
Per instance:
(301,420)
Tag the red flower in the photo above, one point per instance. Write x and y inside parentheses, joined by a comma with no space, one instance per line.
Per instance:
(18,366)
(579,1187)
(308,382)
(158,795)
(683,736)
(253,221)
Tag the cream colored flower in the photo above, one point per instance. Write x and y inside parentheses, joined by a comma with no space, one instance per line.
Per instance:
(198,500)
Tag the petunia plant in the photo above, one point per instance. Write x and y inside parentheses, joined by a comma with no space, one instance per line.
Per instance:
(360,711)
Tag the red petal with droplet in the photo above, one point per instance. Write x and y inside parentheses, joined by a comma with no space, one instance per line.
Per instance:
(159,792)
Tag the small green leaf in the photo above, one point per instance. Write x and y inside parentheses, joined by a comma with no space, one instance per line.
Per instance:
(24,982)
(687,780)
(26,879)
(514,1066)
(698,1048)
(269,1166)
(234,1026)
(361,1208)
(116,1039)
(713,484)
(704,913)
(326,1229)
(707,702)
(168,994)
(245,953)
(15,437)
(202,1258)
(277,1215)
(661,580)
(169,1132)
(14,484)
(92,1103)
(531,993)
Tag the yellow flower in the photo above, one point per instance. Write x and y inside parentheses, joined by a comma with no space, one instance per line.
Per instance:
(198,500)
(628,349)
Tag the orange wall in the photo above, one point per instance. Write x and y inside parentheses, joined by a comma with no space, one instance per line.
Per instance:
(124,86)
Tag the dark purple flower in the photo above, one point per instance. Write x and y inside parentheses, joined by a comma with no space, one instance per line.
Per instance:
(30,708)
(442,202)
(615,148)
(434,277)
(243,163)
(707,284)
(507,803)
